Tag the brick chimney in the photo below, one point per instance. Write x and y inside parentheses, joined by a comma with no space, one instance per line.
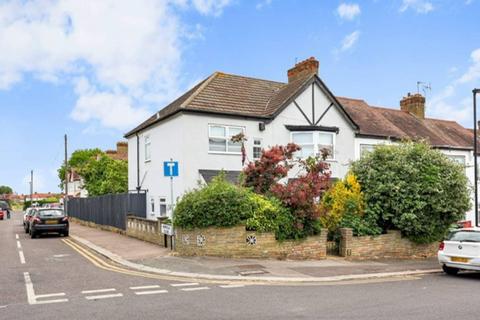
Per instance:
(414,104)
(122,150)
(302,69)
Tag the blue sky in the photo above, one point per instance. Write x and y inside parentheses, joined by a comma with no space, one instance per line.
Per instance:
(96,70)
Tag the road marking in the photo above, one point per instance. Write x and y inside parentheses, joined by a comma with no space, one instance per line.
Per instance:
(105,296)
(145,287)
(3,307)
(184,284)
(16,236)
(22,257)
(232,286)
(19,245)
(29,286)
(32,298)
(60,255)
(98,291)
(140,293)
(195,289)
(49,295)
(51,301)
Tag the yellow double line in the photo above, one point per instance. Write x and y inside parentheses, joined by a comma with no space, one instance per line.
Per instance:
(100,263)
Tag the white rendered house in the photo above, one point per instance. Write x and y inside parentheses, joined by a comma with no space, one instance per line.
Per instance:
(195,130)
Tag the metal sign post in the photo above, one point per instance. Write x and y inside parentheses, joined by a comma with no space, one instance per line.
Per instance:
(475,151)
(170,169)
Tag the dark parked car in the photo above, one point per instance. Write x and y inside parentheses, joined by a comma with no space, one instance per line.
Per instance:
(46,220)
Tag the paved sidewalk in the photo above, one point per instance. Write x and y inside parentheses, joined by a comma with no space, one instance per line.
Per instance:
(152,256)
(123,246)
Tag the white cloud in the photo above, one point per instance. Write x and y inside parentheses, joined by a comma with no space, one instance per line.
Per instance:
(210,7)
(126,52)
(350,40)
(262,4)
(454,102)
(419,6)
(473,72)
(348,11)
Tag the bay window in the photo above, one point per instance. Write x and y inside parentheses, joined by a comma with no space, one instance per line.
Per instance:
(313,142)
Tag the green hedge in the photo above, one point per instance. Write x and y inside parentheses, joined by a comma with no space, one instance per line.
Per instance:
(413,188)
(222,204)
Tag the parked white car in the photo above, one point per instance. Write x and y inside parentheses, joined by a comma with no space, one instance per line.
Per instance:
(460,251)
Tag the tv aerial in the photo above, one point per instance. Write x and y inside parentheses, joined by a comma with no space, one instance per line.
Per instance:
(424,86)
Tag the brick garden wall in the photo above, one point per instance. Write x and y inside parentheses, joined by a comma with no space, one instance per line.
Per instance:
(390,245)
(236,242)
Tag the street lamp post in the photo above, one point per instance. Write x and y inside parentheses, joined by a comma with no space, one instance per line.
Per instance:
(475,170)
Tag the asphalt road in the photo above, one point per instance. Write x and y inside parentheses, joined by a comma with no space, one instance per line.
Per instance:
(56,281)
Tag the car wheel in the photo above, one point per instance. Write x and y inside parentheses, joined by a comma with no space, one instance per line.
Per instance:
(33,234)
(65,234)
(450,271)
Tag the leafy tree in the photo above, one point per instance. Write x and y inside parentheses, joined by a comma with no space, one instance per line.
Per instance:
(104,175)
(78,160)
(413,188)
(5,190)
(101,174)
(300,194)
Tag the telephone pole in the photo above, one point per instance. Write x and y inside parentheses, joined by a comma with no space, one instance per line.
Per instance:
(65,200)
(31,187)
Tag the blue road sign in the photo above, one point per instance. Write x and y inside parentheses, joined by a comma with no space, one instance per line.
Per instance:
(170,168)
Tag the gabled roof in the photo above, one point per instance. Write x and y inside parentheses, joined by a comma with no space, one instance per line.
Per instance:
(396,124)
(235,95)
(227,94)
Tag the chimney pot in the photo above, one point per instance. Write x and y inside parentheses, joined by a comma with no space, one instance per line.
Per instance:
(303,69)
(414,104)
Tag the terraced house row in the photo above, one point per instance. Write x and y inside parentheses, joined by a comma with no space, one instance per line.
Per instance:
(196,128)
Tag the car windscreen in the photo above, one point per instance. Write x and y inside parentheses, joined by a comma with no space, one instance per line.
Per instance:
(465,236)
(50,213)
(4,205)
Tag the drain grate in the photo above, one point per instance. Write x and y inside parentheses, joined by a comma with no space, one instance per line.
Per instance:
(250,269)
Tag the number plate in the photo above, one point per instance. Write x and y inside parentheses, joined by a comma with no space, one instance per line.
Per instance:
(459,259)
(51,222)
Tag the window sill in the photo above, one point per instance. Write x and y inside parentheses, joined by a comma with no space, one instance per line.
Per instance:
(149,160)
(225,153)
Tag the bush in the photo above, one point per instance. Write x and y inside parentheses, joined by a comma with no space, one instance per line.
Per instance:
(413,188)
(299,195)
(219,204)
(270,216)
(344,201)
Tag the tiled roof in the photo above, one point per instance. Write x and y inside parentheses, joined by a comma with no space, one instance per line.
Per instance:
(397,124)
(229,94)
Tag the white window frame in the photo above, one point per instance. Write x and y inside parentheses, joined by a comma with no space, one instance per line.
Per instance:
(257,146)
(147,145)
(227,137)
(162,201)
(455,157)
(152,206)
(315,135)
(366,145)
